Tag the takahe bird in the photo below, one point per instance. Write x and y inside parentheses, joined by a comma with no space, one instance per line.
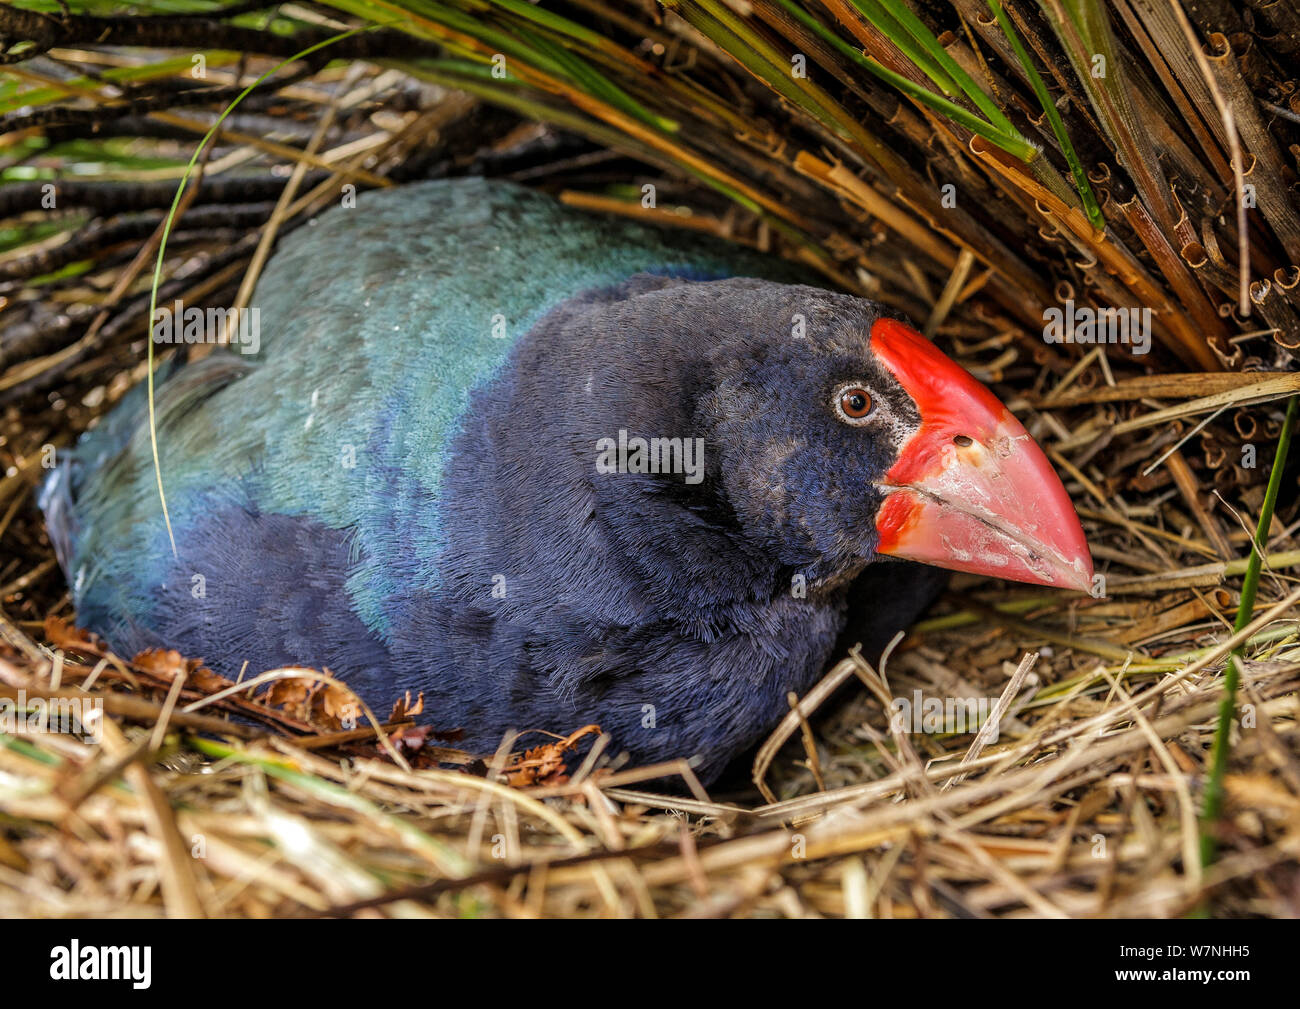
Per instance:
(550,469)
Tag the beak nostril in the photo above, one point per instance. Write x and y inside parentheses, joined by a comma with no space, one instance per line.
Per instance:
(963,441)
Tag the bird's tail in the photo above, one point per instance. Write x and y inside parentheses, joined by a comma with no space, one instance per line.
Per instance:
(54,497)
(58,493)
(98,449)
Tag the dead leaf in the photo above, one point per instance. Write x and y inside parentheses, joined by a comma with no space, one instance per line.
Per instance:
(325,706)
(167,664)
(292,695)
(62,634)
(403,709)
(545,764)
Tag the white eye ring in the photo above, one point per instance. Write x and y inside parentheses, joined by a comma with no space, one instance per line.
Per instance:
(849,405)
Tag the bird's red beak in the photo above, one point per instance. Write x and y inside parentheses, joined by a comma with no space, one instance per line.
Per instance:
(970,490)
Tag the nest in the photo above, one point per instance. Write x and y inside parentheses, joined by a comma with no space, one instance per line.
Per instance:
(1100,774)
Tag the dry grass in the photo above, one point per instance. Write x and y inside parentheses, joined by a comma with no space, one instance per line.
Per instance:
(1085,805)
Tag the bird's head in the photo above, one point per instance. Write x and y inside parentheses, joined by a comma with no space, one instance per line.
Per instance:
(842,434)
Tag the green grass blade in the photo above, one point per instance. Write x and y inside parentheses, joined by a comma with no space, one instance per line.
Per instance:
(1086,194)
(1213,802)
(883,18)
(526,45)
(17,98)
(596,84)
(927,40)
(1013,143)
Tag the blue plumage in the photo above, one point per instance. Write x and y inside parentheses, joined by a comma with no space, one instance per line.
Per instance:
(402,485)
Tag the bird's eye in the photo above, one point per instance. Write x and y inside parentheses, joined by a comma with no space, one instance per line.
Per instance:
(853,403)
